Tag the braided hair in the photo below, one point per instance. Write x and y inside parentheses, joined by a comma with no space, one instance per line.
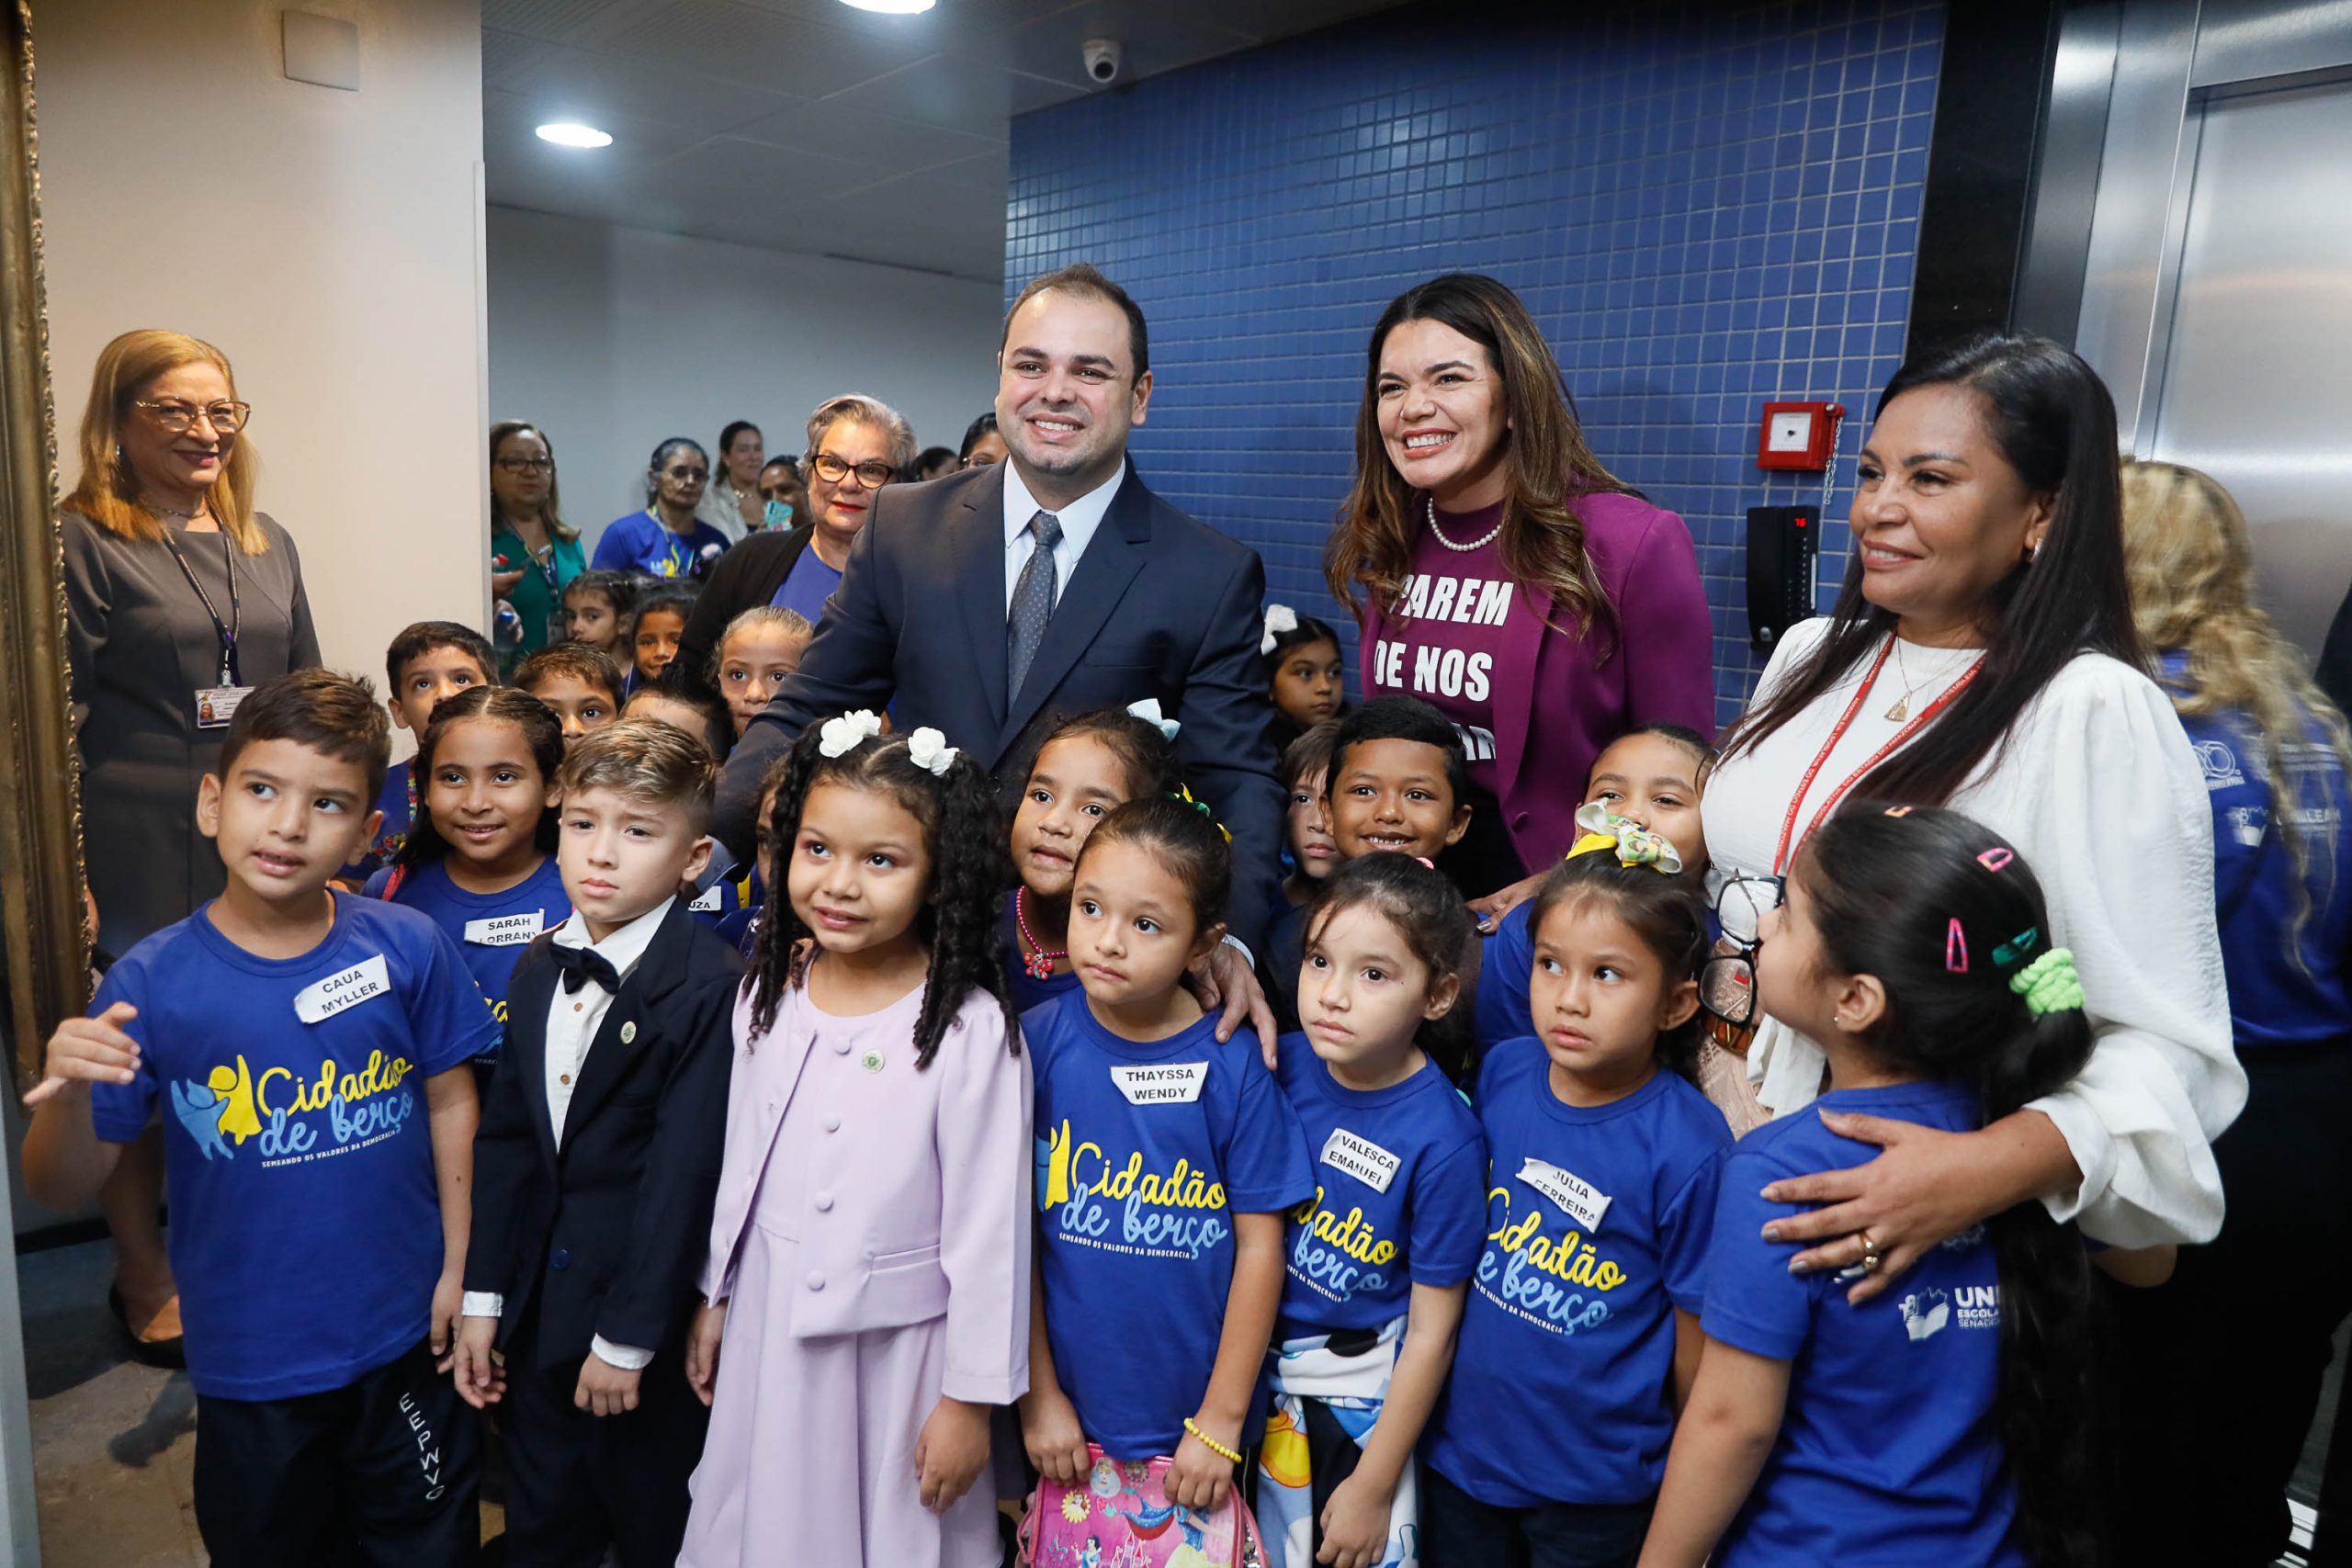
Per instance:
(958,924)
(1949,919)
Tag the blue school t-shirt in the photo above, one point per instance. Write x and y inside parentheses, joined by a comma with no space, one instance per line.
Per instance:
(1400,1194)
(1028,992)
(713,904)
(306,1224)
(640,543)
(1145,1154)
(1596,1230)
(397,801)
(491,929)
(1890,1451)
(806,586)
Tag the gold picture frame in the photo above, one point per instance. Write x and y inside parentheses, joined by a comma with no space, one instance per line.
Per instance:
(42,874)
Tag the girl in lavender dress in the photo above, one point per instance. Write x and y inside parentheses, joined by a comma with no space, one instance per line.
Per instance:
(867,1292)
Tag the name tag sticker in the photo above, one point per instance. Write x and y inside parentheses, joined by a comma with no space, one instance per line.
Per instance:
(1585,1203)
(1163,1083)
(318,1002)
(1361,1158)
(709,903)
(506,930)
(216,705)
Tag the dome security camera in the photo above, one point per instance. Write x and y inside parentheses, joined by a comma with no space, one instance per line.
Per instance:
(1102,60)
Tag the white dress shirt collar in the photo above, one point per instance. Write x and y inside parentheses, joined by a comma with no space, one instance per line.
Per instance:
(1080,519)
(624,947)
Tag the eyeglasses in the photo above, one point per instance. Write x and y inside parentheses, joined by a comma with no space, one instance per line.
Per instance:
(1728,981)
(526,465)
(177,416)
(833,471)
(685,475)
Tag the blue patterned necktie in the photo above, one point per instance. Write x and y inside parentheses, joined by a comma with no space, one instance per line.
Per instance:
(1033,603)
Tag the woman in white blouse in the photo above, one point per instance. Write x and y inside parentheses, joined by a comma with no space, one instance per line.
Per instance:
(1981,655)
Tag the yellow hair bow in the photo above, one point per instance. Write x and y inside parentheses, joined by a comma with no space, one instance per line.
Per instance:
(1633,844)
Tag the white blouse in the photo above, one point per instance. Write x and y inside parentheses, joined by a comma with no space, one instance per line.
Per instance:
(2096,786)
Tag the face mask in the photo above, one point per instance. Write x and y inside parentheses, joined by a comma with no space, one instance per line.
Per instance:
(779,514)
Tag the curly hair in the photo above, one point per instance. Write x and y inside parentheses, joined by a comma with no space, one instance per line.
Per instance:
(542,736)
(1886,885)
(970,869)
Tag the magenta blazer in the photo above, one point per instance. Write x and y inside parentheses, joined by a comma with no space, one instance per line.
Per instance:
(1559,699)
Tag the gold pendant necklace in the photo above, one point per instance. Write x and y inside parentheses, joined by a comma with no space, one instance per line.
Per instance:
(1902,708)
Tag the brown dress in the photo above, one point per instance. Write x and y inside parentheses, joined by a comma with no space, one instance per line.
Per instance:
(142,645)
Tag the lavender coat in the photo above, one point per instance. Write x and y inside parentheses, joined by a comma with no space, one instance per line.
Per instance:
(1560,699)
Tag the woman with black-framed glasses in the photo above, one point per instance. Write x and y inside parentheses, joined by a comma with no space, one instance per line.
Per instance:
(666,539)
(533,552)
(179,598)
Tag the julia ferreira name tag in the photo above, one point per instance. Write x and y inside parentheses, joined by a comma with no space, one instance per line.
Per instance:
(1585,1203)
(317,1002)
(1361,1158)
(506,930)
(1162,1083)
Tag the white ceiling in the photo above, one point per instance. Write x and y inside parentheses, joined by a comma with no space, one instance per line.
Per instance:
(805,125)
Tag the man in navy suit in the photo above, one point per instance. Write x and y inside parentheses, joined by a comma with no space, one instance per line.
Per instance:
(992,603)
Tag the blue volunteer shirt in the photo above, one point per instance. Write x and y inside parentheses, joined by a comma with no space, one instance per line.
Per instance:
(1028,992)
(2287,987)
(397,801)
(1596,1230)
(1400,1194)
(1890,1451)
(491,929)
(306,1224)
(638,542)
(806,586)
(1145,1154)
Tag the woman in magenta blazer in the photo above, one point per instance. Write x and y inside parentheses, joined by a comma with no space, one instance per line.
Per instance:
(1501,574)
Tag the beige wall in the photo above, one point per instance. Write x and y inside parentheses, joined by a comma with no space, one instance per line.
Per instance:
(329,242)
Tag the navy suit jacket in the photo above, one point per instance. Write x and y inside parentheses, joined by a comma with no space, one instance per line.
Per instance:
(606,1234)
(1159,607)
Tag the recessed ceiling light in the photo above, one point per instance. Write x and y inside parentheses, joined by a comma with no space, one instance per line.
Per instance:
(892,8)
(571,133)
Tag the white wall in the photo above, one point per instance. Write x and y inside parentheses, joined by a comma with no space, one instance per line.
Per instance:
(615,338)
(329,242)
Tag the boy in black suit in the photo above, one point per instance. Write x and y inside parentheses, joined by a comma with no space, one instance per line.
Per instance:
(597,1163)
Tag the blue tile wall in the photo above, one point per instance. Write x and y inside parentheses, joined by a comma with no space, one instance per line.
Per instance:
(1706,209)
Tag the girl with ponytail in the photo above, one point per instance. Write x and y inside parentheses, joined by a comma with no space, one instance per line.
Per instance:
(1946,1419)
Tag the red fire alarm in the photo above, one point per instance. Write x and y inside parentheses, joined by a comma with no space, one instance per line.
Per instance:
(1798,435)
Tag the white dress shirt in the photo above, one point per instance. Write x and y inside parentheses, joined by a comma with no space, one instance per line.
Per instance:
(573,1018)
(2099,789)
(1078,520)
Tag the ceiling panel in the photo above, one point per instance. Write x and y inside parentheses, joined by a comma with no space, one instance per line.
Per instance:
(805,125)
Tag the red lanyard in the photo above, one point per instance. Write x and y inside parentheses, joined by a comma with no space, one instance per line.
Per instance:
(1789,824)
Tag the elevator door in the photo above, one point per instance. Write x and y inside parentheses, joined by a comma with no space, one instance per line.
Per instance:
(2256,386)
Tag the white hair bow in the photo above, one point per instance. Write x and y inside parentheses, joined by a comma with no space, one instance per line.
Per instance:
(844,734)
(927,749)
(1147,710)
(1280,618)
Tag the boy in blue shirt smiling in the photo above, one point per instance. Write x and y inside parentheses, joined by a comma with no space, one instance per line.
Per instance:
(306,1052)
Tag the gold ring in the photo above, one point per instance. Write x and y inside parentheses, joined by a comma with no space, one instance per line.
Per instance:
(1870,1259)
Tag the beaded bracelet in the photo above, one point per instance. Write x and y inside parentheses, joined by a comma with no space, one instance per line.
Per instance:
(1231,1456)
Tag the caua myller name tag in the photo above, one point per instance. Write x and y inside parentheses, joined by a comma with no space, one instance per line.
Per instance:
(1585,1203)
(506,930)
(1161,1083)
(1361,1158)
(324,999)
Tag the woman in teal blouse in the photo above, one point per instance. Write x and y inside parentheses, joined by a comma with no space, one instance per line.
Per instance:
(533,552)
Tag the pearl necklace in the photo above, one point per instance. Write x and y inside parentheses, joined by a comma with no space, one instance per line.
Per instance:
(1038,962)
(1479,544)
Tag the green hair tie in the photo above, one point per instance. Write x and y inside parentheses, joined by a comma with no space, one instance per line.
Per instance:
(2049,983)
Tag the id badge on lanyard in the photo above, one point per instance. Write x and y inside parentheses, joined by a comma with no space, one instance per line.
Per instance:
(216,705)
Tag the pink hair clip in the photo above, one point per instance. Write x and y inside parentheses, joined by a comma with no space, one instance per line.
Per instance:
(1996,858)
(1955,949)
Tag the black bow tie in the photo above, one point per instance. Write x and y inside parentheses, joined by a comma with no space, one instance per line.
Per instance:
(581,965)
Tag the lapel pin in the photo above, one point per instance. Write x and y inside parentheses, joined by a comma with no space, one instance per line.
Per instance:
(628,1032)
(871,1061)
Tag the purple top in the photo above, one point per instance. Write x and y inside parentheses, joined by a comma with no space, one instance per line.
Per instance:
(1552,699)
